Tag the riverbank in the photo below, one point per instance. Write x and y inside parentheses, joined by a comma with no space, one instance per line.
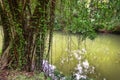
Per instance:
(108,31)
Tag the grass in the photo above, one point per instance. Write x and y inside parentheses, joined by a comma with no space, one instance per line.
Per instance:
(22,75)
(39,76)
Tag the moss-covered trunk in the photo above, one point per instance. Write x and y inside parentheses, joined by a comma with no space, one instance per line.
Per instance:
(24,34)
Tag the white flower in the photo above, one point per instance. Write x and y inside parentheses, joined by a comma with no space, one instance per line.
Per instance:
(77,76)
(76,55)
(84,50)
(79,69)
(83,76)
(48,68)
(85,64)
(104,78)
(79,58)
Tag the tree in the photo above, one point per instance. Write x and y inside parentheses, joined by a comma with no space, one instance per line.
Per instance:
(25,26)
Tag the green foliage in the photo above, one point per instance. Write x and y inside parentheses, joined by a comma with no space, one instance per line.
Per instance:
(25,25)
(77,20)
(60,76)
(84,17)
(39,76)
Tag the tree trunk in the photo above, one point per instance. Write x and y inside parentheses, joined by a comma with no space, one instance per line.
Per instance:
(24,34)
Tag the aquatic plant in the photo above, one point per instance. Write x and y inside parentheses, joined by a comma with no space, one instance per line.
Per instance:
(81,70)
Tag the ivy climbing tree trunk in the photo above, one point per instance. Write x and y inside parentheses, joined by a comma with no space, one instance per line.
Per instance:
(25,33)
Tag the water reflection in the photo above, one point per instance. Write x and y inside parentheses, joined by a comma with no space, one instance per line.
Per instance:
(101,54)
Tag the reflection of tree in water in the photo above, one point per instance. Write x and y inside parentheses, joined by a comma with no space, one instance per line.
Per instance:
(83,67)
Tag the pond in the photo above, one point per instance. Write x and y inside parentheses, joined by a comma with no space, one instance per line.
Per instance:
(100,58)
(102,54)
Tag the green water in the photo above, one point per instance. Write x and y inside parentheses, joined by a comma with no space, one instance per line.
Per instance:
(103,53)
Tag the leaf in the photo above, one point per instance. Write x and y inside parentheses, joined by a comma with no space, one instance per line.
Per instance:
(49,78)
